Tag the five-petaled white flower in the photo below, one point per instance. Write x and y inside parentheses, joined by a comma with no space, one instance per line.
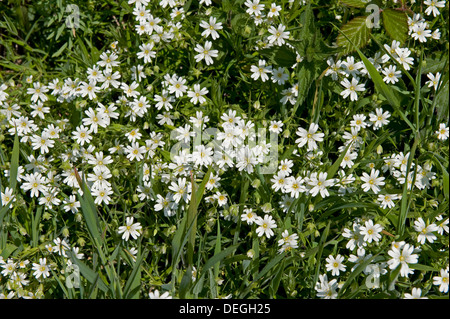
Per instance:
(130,229)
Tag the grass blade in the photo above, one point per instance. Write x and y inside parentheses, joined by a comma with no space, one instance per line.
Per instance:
(14,163)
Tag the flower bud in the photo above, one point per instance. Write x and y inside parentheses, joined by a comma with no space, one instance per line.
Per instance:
(256,183)
(266,208)
(65,232)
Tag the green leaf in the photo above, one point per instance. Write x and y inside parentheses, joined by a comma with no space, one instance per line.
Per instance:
(320,250)
(442,101)
(357,32)
(355,273)
(335,167)
(422,267)
(354,3)
(306,76)
(435,63)
(280,55)
(10,248)
(133,285)
(90,275)
(60,51)
(14,163)
(217,258)
(396,24)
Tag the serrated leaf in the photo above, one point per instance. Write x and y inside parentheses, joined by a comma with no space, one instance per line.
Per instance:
(307,34)
(280,55)
(442,101)
(354,3)
(306,76)
(357,32)
(396,24)
(435,63)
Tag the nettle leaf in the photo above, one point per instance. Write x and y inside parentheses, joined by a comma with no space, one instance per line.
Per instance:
(354,3)
(280,55)
(435,63)
(307,73)
(358,35)
(307,33)
(396,24)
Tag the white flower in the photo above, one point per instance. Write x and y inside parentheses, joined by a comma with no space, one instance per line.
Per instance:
(37,92)
(387,200)
(402,256)
(433,6)
(442,280)
(311,137)
(210,28)
(319,183)
(42,142)
(7,196)
(181,190)
(274,10)
(403,57)
(351,67)
(265,226)
(135,152)
(205,53)
(197,93)
(156,295)
(420,32)
(130,229)
(101,194)
(36,183)
(295,186)
(425,231)
(261,70)
(130,90)
(358,121)
(177,85)
(335,264)
(391,74)
(334,68)
(351,88)
(279,76)
(146,52)
(276,126)
(348,159)
(278,35)
(415,294)
(254,7)
(380,118)
(82,135)
(443,132)
(249,216)
(202,156)
(371,231)
(433,80)
(41,269)
(372,182)
(326,289)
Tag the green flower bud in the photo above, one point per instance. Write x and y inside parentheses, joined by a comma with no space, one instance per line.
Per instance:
(256,183)
(379,149)
(81,242)
(267,208)
(23,231)
(47,216)
(65,232)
